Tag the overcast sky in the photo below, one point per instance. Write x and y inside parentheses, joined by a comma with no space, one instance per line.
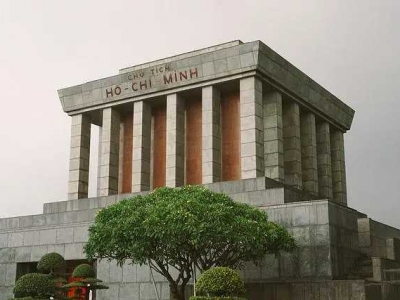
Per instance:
(351,48)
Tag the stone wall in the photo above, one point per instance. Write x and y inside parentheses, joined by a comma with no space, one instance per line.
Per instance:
(130,282)
(63,228)
(381,265)
(30,244)
(343,238)
(313,290)
(260,192)
(327,237)
(393,249)
(327,234)
(66,233)
(373,238)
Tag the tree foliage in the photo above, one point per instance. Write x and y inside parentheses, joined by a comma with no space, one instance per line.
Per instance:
(220,281)
(173,229)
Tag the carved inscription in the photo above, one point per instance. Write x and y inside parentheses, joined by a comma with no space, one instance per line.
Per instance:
(154,78)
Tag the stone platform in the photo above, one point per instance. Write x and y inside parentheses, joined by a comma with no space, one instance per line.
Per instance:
(341,251)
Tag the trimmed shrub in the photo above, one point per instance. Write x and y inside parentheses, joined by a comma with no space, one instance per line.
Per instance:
(34,285)
(215,298)
(220,281)
(84,271)
(52,263)
(29,298)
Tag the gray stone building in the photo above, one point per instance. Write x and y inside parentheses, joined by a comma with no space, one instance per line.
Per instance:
(242,120)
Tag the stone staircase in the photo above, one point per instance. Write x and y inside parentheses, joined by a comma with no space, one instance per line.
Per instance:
(363,269)
(392,275)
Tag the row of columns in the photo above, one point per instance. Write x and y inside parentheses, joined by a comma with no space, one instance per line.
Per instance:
(278,141)
(301,152)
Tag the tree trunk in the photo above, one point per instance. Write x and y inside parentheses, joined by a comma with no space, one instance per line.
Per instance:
(176,293)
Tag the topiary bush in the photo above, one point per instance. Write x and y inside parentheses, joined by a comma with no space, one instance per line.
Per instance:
(84,271)
(84,282)
(220,281)
(29,298)
(52,263)
(34,285)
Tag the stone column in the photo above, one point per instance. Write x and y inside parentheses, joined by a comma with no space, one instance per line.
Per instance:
(121,157)
(211,135)
(141,147)
(109,152)
(309,152)
(292,144)
(78,182)
(99,161)
(251,128)
(273,136)
(324,160)
(338,167)
(175,171)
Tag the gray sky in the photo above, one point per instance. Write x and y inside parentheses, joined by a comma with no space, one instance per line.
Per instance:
(349,47)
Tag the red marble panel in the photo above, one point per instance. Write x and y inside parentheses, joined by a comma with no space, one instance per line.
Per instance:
(127,153)
(159,148)
(193,141)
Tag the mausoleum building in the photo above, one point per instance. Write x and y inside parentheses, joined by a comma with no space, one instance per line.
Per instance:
(239,119)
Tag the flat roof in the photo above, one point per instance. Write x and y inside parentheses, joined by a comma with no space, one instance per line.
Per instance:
(211,65)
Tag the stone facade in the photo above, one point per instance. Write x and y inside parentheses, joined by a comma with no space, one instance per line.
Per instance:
(278,135)
(264,133)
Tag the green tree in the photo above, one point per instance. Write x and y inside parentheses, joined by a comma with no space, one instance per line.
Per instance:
(174,229)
